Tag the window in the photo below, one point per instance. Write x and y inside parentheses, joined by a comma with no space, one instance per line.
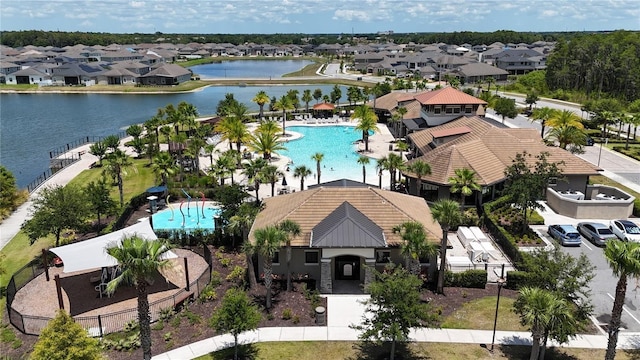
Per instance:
(311,257)
(436,110)
(449,110)
(276,258)
(383,256)
(468,110)
(456,110)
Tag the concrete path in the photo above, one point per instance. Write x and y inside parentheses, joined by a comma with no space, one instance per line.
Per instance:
(345,310)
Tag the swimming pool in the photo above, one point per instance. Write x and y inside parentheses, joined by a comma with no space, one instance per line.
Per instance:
(340,153)
(191,217)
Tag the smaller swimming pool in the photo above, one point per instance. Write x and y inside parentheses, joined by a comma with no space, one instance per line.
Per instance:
(188,218)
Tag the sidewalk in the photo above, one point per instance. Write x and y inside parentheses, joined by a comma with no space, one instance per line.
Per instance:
(328,333)
(11,225)
(344,310)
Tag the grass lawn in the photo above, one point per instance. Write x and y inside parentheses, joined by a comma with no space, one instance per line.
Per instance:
(330,350)
(309,70)
(479,314)
(18,253)
(139,178)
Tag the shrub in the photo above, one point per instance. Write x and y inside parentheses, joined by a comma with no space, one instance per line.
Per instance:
(216,279)
(237,275)
(516,279)
(225,262)
(296,319)
(287,314)
(131,326)
(467,279)
(207,294)
(166,314)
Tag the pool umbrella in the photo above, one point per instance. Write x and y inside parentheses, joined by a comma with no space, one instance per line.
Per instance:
(284,181)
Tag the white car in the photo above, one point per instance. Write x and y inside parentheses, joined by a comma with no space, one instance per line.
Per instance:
(625,230)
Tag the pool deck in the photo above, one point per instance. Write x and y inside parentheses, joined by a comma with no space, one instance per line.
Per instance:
(378,147)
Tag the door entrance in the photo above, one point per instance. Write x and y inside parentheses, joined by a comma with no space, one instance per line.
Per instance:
(347,267)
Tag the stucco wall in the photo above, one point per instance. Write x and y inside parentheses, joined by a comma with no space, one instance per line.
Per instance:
(592,209)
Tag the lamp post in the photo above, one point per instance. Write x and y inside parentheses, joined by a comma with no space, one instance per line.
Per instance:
(501,283)
(606,141)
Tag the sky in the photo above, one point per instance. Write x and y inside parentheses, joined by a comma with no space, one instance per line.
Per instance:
(313,16)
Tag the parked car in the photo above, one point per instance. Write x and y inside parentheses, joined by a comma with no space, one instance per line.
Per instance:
(625,230)
(597,233)
(565,234)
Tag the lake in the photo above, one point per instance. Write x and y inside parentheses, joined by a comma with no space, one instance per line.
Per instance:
(33,124)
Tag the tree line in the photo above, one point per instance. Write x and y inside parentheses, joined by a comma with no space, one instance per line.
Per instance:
(63,38)
(597,64)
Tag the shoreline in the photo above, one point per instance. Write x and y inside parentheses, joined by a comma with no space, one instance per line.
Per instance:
(302,80)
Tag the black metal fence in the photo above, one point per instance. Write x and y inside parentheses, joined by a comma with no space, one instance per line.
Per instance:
(102,324)
(62,157)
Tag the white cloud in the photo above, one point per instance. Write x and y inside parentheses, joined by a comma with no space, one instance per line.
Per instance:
(328,16)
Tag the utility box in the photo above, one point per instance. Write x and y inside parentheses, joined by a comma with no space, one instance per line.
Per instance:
(321,316)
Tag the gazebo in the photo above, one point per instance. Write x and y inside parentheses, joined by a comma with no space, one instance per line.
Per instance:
(324,109)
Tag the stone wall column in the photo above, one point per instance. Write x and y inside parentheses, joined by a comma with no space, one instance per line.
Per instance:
(326,280)
(369,273)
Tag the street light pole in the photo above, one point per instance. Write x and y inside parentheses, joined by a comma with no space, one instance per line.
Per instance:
(606,140)
(501,283)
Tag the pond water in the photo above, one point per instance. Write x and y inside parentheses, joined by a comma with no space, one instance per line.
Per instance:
(249,68)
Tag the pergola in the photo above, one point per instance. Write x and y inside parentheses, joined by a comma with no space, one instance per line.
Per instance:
(325,109)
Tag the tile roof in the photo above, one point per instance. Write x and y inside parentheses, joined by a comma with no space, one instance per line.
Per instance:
(447,96)
(310,207)
(487,150)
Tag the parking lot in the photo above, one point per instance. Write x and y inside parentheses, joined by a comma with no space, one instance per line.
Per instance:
(604,283)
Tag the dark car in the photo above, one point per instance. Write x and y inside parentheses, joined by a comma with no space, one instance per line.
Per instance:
(565,234)
(589,141)
(595,232)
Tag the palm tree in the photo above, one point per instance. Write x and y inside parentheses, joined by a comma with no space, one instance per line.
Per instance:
(249,250)
(543,114)
(261,99)
(252,170)
(367,121)
(447,213)
(270,174)
(266,144)
(318,157)
(139,260)
(464,182)
(567,135)
(364,161)
(283,104)
(164,166)
(490,80)
(268,241)
(415,245)
(565,118)
(307,97)
(541,310)
(631,120)
(394,163)
(269,127)
(240,223)
(117,164)
(381,165)
(301,172)
(624,261)
(290,228)
(238,133)
(420,168)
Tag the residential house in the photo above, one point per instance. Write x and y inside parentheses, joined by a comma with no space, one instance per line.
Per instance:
(479,72)
(520,61)
(30,76)
(346,231)
(166,74)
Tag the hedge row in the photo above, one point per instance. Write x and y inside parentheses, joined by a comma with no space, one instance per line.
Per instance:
(468,279)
